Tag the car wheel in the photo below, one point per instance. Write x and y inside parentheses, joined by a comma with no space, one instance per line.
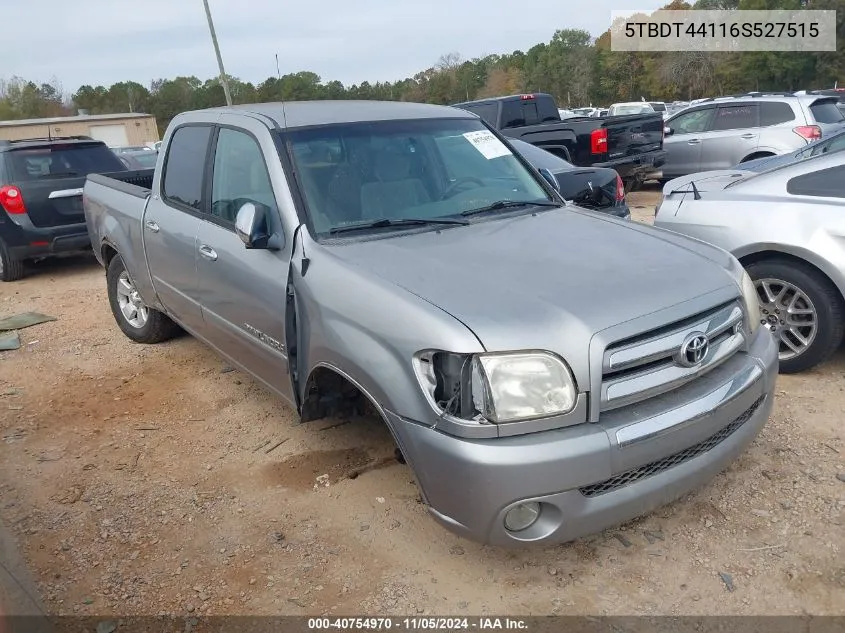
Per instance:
(11,269)
(803,311)
(137,320)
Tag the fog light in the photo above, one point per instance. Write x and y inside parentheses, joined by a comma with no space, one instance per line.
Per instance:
(522,516)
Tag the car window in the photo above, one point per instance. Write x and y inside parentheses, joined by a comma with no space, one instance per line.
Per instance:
(827,112)
(692,122)
(512,114)
(425,168)
(735,117)
(827,183)
(59,160)
(240,175)
(487,111)
(185,165)
(774,112)
(834,144)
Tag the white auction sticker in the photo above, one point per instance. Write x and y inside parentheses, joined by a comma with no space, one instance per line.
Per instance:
(489,146)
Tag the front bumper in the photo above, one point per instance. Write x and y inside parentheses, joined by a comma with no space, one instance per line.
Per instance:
(583,478)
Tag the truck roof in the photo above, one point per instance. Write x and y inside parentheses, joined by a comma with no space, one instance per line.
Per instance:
(519,97)
(292,114)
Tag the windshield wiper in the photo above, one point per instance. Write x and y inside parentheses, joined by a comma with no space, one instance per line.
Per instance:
(61,174)
(510,204)
(388,223)
(695,194)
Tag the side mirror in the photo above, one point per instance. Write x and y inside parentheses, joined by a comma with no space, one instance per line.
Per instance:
(668,131)
(251,227)
(550,178)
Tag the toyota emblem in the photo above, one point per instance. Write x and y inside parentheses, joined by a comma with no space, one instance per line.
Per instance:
(694,349)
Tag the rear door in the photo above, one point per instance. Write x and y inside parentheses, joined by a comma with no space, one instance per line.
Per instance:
(243,292)
(51,178)
(172,221)
(683,146)
(733,135)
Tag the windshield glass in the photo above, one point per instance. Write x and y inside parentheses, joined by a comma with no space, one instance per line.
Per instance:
(358,173)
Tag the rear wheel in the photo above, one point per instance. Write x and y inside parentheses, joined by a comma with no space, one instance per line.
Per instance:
(11,269)
(802,310)
(137,320)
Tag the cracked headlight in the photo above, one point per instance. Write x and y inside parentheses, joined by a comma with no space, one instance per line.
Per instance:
(514,386)
(752,302)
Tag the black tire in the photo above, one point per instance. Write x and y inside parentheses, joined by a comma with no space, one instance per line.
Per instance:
(11,269)
(157,328)
(830,311)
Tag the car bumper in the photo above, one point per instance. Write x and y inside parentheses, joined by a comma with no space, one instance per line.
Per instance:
(27,241)
(581,477)
(636,167)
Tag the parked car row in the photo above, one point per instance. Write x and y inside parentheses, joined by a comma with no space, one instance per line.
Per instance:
(572,369)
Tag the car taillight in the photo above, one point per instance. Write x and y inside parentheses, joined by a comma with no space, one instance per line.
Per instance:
(11,200)
(620,189)
(598,141)
(809,132)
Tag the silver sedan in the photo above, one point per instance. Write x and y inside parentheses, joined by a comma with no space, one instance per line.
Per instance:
(787,227)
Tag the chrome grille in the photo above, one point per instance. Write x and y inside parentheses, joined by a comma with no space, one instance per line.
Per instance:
(658,466)
(649,365)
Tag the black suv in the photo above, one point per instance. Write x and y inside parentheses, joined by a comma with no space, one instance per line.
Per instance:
(41,184)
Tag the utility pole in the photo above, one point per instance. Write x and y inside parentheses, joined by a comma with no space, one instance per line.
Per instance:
(223,79)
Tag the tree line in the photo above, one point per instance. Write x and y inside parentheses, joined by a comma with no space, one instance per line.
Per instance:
(577,69)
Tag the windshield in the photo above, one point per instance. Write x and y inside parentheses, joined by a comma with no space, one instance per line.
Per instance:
(359,173)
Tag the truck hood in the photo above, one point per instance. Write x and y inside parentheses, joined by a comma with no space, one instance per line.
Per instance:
(545,281)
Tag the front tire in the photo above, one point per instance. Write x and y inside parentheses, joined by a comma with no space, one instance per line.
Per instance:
(136,320)
(803,310)
(11,269)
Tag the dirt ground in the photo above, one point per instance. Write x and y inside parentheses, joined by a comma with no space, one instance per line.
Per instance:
(144,480)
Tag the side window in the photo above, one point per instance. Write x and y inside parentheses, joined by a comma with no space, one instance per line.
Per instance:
(240,175)
(693,122)
(736,117)
(826,183)
(774,112)
(185,164)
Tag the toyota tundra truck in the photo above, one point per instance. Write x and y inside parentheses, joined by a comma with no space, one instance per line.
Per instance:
(546,371)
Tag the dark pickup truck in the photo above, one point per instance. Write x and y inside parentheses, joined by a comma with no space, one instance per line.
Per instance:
(630,144)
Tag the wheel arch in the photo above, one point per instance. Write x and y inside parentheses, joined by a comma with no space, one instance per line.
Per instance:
(797,256)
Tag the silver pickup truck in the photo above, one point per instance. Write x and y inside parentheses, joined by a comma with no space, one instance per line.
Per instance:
(546,371)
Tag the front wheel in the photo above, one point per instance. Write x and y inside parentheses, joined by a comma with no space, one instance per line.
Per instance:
(137,320)
(802,310)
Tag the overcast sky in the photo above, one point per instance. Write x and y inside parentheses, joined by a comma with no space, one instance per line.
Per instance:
(105,41)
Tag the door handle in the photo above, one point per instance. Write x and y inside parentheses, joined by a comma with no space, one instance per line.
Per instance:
(748,136)
(694,141)
(208,253)
(151,225)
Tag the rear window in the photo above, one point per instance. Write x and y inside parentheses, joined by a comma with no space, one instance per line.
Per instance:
(61,161)
(774,112)
(826,112)
(487,111)
(658,107)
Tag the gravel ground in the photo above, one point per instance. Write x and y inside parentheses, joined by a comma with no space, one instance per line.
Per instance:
(151,479)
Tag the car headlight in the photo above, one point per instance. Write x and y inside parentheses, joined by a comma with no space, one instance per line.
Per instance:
(513,386)
(752,302)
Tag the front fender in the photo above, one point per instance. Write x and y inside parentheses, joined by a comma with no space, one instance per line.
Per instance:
(369,329)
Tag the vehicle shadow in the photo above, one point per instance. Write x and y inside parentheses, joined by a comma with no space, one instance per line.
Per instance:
(61,266)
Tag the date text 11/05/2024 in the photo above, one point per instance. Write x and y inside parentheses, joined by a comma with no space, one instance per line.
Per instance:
(722,29)
(423,623)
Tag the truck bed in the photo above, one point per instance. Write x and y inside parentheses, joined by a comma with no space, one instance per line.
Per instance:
(114,209)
